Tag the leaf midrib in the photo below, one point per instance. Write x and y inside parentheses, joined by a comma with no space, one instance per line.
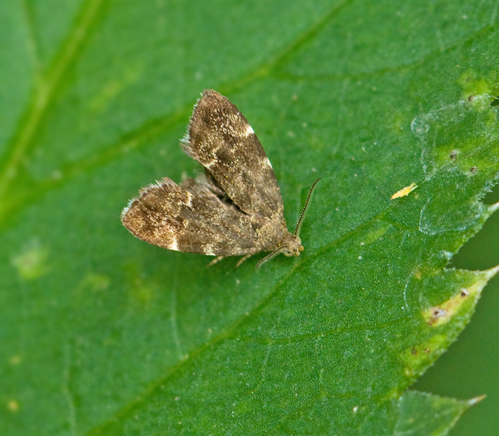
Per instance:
(45,88)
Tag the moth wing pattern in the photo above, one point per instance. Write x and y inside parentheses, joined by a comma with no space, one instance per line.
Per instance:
(235,209)
(191,218)
(223,141)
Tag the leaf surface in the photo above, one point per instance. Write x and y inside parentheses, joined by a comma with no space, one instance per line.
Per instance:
(104,334)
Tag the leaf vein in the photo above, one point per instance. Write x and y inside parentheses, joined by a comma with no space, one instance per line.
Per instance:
(43,94)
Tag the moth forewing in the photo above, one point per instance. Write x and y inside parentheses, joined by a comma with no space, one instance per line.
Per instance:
(222,140)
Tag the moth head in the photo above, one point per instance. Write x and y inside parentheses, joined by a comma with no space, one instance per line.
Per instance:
(291,245)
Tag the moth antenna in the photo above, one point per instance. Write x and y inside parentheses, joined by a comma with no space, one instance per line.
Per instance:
(298,224)
(268,257)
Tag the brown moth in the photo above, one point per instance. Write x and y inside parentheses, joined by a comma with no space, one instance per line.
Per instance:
(234,209)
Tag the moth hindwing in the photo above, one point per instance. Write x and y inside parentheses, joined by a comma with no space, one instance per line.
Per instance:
(234,209)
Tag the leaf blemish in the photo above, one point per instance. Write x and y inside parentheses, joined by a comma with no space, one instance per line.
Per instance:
(13,406)
(419,356)
(437,313)
(445,311)
(31,263)
(446,254)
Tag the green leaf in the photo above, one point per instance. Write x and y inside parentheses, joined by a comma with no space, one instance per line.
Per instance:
(424,414)
(104,334)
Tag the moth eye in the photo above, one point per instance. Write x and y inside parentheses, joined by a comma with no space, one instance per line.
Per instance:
(301,248)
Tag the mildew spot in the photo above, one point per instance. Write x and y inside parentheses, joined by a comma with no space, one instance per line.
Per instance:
(95,282)
(31,263)
(463,300)
(110,90)
(417,357)
(450,197)
(440,130)
(13,406)
(436,314)
(15,360)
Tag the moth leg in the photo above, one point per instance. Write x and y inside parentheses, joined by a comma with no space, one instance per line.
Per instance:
(239,263)
(214,261)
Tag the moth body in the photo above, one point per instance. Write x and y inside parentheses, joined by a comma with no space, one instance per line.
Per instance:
(234,209)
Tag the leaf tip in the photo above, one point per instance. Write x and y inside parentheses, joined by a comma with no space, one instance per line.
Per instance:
(476,400)
(494,207)
(488,274)
(442,313)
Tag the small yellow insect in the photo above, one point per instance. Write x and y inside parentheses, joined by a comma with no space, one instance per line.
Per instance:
(404,191)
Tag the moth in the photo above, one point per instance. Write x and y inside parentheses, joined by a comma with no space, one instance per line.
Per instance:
(234,209)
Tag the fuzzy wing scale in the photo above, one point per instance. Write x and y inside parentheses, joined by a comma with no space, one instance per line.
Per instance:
(222,140)
(189,218)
